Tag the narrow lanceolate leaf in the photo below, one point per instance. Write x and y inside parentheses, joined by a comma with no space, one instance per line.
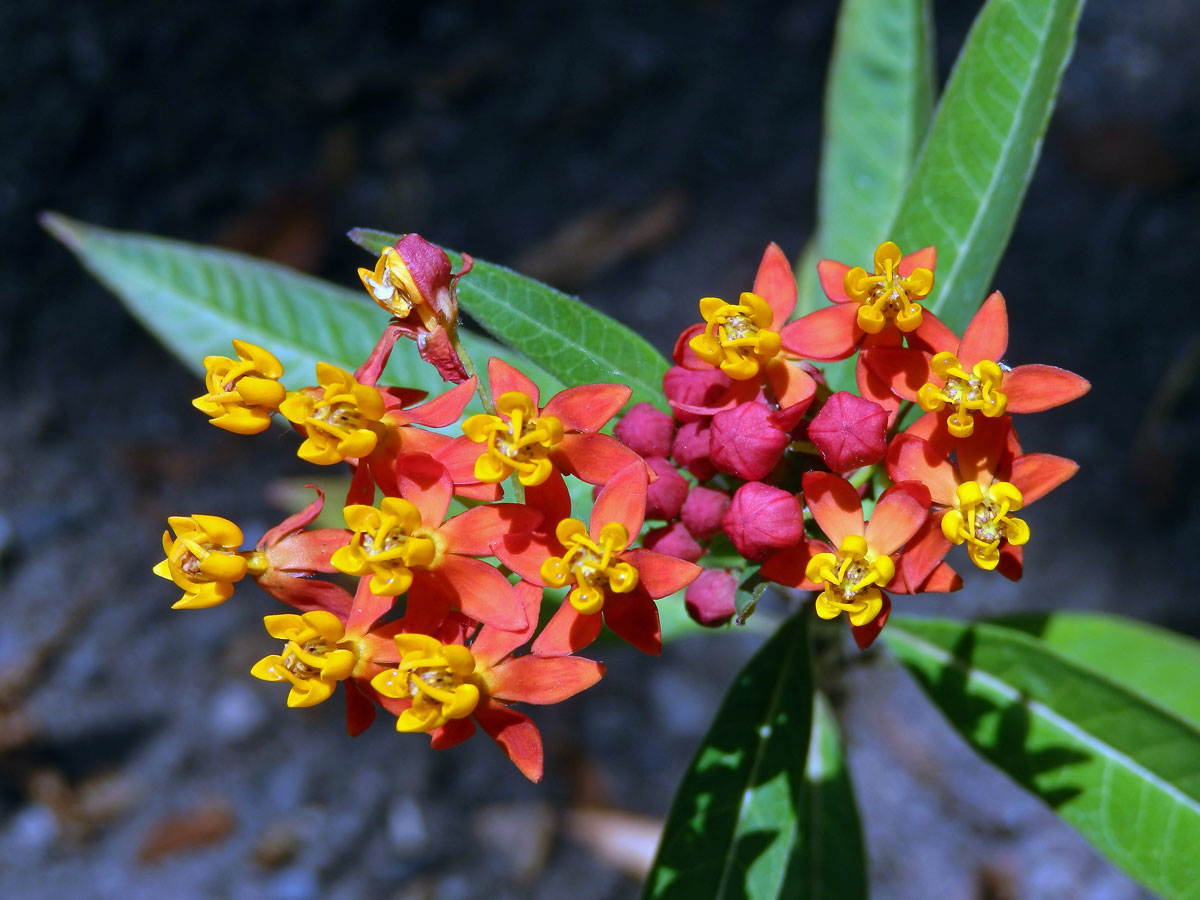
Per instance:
(878,102)
(1160,665)
(570,340)
(1122,770)
(835,863)
(970,178)
(734,828)
(195,300)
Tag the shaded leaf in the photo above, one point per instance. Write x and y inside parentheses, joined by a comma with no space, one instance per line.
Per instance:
(196,299)
(569,339)
(975,166)
(1123,771)
(733,829)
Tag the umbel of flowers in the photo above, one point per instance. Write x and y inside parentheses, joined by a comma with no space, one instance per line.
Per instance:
(757,460)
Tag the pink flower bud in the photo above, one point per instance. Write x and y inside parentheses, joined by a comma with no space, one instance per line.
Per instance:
(428,266)
(710,598)
(665,496)
(684,387)
(673,540)
(702,511)
(762,520)
(690,450)
(646,431)
(746,442)
(849,431)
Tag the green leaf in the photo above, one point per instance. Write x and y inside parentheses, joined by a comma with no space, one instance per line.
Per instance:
(1159,665)
(878,102)
(733,830)
(971,176)
(1123,771)
(195,300)
(569,339)
(837,861)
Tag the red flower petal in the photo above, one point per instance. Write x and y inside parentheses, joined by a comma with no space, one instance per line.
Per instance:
(452,733)
(1037,474)
(921,557)
(1036,388)
(503,378)
(1012,562)
(979,455)
(445,409)
(552,499)
(368,607)
(832,275)
(296,521)
(683,354)
(369,372)
(943,580)
(594,458)
(794,388)
(567,632)
(525,553)
(481,592)
(901,510)
(904,371)
(622,500)
(776,284)
(834,504)
(829,334)
(425,483)
(493,644)
(933,335)
(911,458)
(986,336)
(634,618)
(660,574)
(542,680)
(306,594)
(872,387)
(787,568)
(362,487)
(517,736)
(307,551)
(864,635)
(360,711)
(587,407)
(473,532)
(925,258)
(427,604)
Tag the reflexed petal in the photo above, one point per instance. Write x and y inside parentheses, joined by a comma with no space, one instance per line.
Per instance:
(296,521)
(440,411)
(594,458)
(368,607)
(787,568)
(551,498)
(901,510)
(516,735)
(933,335)
(1036,474)
(832,275)
(872,387)
(360,711)
(864,635)
(634,618)
(925,258)
(903,370)
(587,407)
(980,453)
(525,553)
(660,574)
(567,632)
(834,504)
(473,532)
(452,733)
(503,378)
(481,592)
(1012,561)
(622,500)
(986,336)
(911,458)
(426,484)
(921,557)
(493,644)
(793,387)
(1035,388)
(776,284)
(542,679)
(829,334)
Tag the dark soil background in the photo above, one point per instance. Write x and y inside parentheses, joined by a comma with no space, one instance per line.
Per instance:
(641,155)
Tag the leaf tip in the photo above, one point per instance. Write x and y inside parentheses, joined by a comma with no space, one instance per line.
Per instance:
(64,228)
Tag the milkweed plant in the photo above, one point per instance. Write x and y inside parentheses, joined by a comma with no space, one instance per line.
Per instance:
(849,438)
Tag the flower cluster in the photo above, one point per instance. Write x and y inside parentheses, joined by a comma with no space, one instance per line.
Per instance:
(427,604)
(444,598)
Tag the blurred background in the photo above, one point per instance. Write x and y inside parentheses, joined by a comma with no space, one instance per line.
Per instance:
(641,155)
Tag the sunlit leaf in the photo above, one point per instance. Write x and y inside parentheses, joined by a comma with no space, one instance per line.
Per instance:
(1122,770)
